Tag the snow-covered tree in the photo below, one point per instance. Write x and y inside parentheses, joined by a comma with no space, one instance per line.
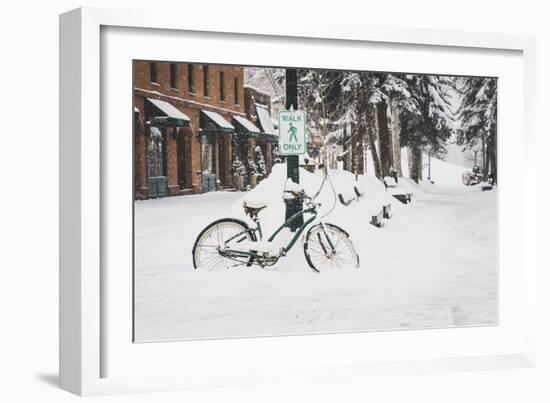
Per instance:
(384,137)
(328,98)
(352,132)
(368,95)
(397,91)
(374,104)
(372,97)
(260,161)
(478,120)
(252,168)
(270,80)
(276,155)
(428,122)
(238,168)
(378,101)
(318,92)
(384,111)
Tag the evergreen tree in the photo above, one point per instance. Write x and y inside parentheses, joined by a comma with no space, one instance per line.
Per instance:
(397,91)
(428,121)
(385,111)
(260,161)
(378,114)
(276,155)
(368,98)
(238,168)
(478,120)
(252,168)
(327,96)
(384,137)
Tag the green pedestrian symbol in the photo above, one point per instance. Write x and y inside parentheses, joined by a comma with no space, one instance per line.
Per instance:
(292,127)
(293,130)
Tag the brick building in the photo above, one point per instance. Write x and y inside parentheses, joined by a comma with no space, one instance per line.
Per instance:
(188,118)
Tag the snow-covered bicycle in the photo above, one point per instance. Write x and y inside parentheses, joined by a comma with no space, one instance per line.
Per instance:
(230,242)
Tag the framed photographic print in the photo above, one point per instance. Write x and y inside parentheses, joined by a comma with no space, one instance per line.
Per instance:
(240,202)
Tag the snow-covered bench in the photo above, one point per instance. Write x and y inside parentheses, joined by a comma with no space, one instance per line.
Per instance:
(397,191)
(486,186)
(373,205)
(358,196)
(384,214)
(390,181)
(404,198)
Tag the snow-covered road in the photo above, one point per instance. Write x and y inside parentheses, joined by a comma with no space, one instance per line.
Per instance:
(433,265)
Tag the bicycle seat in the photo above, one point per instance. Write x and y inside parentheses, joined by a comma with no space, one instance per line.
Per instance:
(253,207)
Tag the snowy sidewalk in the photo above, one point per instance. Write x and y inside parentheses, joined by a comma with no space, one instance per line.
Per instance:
(433,265)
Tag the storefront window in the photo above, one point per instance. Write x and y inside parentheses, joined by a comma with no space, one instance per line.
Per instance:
(208,157)
(155,153)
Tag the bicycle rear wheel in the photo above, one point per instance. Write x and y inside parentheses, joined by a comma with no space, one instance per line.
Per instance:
(329,248)
(211,241)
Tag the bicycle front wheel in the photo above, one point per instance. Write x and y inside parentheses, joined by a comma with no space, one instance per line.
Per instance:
(211,241)
(329,248)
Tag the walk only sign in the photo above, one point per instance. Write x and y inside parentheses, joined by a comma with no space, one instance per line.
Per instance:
(292,132)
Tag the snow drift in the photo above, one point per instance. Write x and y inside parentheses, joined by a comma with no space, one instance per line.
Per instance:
(354,218)
(433,265)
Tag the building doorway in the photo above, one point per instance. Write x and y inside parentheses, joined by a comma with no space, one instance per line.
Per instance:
(157,183)
(208,163)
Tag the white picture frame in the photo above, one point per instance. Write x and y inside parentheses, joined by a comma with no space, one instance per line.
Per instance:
(85,347)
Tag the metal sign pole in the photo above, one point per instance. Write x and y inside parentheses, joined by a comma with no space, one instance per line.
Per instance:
(292,161)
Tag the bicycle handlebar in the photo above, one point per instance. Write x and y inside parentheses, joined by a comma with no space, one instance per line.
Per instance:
(302,194)
(297,195)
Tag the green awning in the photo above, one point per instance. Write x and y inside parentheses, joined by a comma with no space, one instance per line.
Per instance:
(168,114)
(245,126)
(213,122)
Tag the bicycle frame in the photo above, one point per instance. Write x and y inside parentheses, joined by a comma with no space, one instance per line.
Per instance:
(312,209)
(291,243)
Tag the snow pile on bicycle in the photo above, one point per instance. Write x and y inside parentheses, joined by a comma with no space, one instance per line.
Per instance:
(271,191)
(231,242)
(353,219)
